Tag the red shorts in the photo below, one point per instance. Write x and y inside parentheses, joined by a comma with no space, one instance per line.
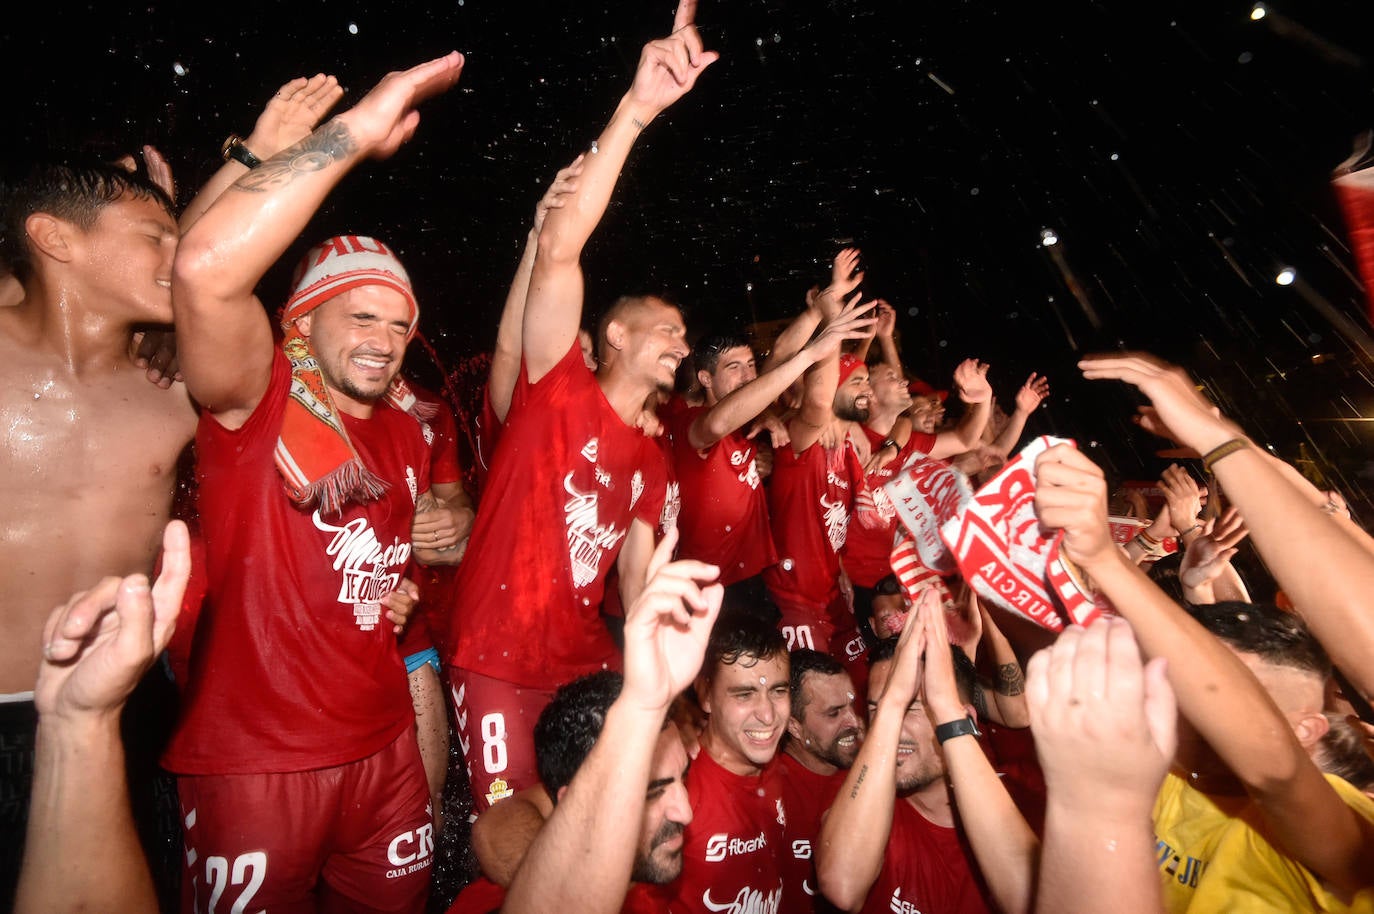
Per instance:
(356,837)
(831,630)
(496,733)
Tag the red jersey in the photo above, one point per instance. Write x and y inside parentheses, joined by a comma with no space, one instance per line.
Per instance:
(485,436)
(806,796)
(567,480)
(725,512)
(868,550)
(734,849)
(925,868)
(294,664)
(809,499)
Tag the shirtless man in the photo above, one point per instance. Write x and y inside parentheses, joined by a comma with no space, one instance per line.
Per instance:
(92,448)
(91,462)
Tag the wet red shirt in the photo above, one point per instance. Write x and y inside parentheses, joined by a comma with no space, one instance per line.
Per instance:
(806,796)
(724,517)
(567,480)
(810,496)
(294,665)
(925,868)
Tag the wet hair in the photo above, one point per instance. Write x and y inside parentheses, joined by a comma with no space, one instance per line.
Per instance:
(805,660)
(569,726)
(965,673)
(741,639)
(888,586)
(1342,752)
(1262,629)
(75,190)
(708,350)
(622,306)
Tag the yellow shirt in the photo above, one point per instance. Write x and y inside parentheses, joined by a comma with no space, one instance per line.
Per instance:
(1212,858)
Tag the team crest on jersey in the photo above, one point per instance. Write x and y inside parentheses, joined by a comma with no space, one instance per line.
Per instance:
(427,432)
(636,487)
(498,790)
(368,571)
(412,484)
(782,815)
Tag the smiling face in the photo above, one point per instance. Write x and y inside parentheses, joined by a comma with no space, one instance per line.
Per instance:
(651,338)
(919,762)
(826,732)
(890,390)
(854,398)
(359,339)
(658,858)
(927,412)
(735,368)
(747,703)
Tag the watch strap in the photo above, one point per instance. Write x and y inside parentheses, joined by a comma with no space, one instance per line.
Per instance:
(233,148)
(964,726)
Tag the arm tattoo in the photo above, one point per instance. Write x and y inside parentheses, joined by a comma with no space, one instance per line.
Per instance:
(863,773)
(329,144)
(1010,679)
(426,502)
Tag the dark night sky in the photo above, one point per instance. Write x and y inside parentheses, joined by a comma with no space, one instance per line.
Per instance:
(1180,151)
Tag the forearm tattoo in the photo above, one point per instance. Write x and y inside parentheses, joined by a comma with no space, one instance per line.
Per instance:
(863,773)
(329,144)
(1010,679)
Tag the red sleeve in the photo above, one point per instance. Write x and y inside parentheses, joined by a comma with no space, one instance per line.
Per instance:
(443,459)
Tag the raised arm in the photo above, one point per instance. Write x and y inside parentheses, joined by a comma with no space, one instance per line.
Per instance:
(290,115)
(224,338)
(1028,399)
(505,359)
(595,826)
(1004,846)
(1324,567)
(845,276)
(1303,815)
(971,380)
(856,828)
(668,69)
(1206,572)
(82,852)
(746,402)
(1104,731)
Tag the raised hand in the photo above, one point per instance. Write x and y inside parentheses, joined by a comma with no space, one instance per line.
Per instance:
(1034,392)
(386,117)
(292,112)
(160,171)
(854,321)
(769,421)
(563,187)
(887,319)
(155,351)
(1179,411)
(1071,494)
(99,644)
(1105,728)
(845,277)
(669,67)
(971,377)
(941,691)
(1183,496)
(1207,556)
(908,663)
(667,626)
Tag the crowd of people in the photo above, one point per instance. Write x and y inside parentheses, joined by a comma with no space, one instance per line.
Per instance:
(673,631)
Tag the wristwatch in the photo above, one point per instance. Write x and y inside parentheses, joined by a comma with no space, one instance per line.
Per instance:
(233,148)
(964,726)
